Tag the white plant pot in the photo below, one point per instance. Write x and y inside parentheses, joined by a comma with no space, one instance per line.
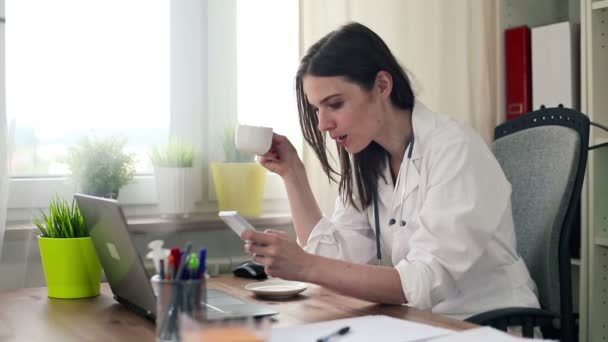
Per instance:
(175,189)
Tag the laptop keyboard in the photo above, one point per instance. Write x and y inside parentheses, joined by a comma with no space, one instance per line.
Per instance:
(217,298)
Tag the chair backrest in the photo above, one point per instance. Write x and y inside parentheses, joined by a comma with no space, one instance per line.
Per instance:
(544,156)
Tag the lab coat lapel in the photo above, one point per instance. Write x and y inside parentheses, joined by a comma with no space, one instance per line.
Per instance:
(422,122)
(386,189)
(411,180)
(420,126)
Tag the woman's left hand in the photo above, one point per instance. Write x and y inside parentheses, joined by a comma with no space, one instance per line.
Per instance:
(281,257)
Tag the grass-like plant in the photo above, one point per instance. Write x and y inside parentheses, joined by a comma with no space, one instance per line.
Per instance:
(64,221)
(232,154)
(100,166)
(174,154)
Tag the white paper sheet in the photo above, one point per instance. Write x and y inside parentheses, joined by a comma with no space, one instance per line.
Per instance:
(362,329)
(480,334)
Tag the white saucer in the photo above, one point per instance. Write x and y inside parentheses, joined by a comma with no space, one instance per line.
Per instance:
(276,288)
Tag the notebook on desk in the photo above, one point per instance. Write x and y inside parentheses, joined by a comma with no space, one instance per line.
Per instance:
(125,271)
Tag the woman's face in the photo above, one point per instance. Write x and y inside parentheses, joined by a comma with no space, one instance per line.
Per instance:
(349,113)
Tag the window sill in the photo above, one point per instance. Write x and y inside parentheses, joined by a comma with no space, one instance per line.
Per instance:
(198,222)
(156,225)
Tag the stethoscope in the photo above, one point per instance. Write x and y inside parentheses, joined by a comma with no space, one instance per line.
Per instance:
(392,221)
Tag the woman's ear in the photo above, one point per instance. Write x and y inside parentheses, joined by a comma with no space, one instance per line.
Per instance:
(384,83)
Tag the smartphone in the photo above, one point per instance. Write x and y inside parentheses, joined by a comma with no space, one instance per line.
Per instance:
(235,221)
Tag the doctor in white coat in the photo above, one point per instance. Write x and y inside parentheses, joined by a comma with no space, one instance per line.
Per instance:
(424,213)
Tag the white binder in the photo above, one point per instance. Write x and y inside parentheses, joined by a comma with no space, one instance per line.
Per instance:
(555,66)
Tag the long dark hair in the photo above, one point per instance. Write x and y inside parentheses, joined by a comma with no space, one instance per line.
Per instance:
(358,54)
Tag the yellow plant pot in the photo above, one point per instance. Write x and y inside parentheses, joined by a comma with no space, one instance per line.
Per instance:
(71,267)
(239,186)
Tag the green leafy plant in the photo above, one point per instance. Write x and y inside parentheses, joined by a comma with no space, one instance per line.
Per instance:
(64,221)
(100,166)
(233,155)
(174,154)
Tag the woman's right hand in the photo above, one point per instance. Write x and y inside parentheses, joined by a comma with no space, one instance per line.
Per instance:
(282,157)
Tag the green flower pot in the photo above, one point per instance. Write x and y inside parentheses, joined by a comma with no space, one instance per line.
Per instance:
(71,267)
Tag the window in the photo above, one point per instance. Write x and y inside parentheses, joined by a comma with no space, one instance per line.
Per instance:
(144,70)
(76,68)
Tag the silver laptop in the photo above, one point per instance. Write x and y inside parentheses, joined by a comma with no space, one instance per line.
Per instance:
(125,271)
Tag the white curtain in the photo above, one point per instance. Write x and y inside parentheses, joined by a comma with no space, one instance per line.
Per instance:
(3,177)
(3,137)
(448,47)
(4,142)
(13,254)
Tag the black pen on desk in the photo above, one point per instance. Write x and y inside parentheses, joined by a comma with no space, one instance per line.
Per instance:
(341,332)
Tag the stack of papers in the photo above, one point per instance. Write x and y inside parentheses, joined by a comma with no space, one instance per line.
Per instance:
(480,334)
(387,329)
(363,329)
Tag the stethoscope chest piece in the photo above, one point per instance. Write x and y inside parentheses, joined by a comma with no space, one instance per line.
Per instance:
(393,221)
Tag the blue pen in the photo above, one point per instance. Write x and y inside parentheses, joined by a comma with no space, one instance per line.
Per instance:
(161,269)
(202,259)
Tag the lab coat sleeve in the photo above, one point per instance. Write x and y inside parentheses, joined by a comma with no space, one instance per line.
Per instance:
(466,198)
(346,236)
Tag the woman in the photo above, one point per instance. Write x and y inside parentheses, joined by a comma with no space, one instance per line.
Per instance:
(443,217)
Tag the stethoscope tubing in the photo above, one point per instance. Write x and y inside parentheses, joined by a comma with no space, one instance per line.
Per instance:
(403,199)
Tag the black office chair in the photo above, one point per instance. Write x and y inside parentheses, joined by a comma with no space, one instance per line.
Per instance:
(544,156)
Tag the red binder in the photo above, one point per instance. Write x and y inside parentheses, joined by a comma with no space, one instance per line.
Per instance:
(518,71)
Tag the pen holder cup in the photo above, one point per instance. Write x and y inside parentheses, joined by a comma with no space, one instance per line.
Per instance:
(175,298)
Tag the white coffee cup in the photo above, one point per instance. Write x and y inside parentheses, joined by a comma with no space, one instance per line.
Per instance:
(253,139)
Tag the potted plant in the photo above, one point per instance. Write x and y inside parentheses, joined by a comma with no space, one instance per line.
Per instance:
(239,181)
(69,259)
(100,166)
(175,177)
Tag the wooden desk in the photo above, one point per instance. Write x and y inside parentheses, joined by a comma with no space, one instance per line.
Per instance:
(29,315)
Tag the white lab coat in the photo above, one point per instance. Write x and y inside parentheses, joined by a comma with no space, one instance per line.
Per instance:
(457,252)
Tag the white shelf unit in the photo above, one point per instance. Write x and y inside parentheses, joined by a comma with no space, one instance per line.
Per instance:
(601,241)
(594,40)
(599,4)
(599,140)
